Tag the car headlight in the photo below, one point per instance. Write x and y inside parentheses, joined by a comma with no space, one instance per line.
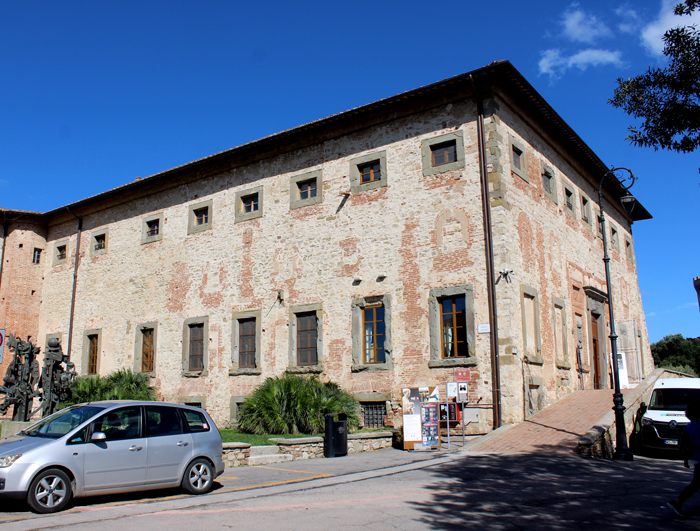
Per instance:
(7,460)
(646,421)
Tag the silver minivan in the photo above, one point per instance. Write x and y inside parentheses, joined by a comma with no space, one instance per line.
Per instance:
(110,447)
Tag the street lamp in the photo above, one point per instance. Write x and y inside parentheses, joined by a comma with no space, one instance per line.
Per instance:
(622,451)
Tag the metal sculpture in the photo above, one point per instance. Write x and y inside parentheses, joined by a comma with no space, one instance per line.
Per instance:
(23,382)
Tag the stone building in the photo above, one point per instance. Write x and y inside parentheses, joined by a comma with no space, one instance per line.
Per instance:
(452,226)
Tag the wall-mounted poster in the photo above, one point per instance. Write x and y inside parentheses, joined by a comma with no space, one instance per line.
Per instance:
(429,417)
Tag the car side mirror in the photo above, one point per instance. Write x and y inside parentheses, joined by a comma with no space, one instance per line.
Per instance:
(98,436)
(643,407)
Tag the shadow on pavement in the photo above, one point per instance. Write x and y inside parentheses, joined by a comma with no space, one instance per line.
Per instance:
(545,491)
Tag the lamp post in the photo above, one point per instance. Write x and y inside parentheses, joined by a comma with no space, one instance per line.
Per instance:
(622,450)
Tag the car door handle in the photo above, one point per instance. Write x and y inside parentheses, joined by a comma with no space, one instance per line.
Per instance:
(135,448)
(183,443)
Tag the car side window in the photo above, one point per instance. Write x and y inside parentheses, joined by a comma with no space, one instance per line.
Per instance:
(78,438)
(196,421)
(162,421)
(120,424)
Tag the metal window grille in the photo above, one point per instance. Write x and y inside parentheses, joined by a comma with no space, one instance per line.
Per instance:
(61,253)
(374,413)
(153,227)
(100,242)
(569,204)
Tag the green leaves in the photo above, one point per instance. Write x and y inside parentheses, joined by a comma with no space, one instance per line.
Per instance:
(123,384)
(677,353)
(294,404)
(667,100)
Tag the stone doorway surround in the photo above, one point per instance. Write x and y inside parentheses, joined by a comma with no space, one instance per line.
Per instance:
(595,309)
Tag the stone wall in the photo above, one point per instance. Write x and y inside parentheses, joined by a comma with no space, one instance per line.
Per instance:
(236,454)
(312,447)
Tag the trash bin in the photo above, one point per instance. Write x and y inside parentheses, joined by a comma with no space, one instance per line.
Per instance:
(336,440)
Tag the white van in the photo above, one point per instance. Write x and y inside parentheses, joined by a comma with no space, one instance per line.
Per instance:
(664,420)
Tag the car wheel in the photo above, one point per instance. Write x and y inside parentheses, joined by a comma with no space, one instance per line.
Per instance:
(199,477)
(50,491)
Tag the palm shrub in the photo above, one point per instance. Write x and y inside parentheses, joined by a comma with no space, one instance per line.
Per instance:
(294,404)
(123,384)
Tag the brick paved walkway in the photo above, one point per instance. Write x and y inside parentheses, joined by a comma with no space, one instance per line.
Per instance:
(557,428)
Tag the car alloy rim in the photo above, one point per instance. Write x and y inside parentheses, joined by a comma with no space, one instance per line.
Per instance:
(199,475)
(50,491)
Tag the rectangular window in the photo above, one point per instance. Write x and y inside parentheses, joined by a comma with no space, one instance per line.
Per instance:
(246,343)
(307,339)
(196,347)
(147,350)
(517,158)
(201,216)
(100,242)
(561,348)
(153,227)
(454,326)
(585,210)
(600,225)
(249,203)
(628,250)
(61,252)
(614,238)
(36,257)
(532,342)
(373,333)
(444,153)
(569,199)
(373,413)
(307,189)
(370,172)
(93,353)
(547,182)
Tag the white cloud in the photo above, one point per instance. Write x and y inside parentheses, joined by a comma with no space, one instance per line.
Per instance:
(579,26)
(554,63)
(652,33)
(630,19)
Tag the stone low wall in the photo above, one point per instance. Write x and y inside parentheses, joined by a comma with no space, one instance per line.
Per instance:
(312,447)
(236,454)
(599,441)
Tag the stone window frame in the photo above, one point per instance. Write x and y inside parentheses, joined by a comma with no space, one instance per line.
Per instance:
(517,144)
(530,292)
(629,250)
(94,235)
(356,185)
(202,400)
(86,351)
(357,308)
(203,320)
(547,170)
(436,359)
(614,237)
(373,398)
(570,210)
(563,361)
(245,216)
(586,210)
(62,243)
(236,402)
(145,238)
(293,311)
(535,383)
(294,200)
(138,346)
(235,368)
(426,146)
(192,227)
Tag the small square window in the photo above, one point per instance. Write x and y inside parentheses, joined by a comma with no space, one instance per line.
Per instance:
(60,253)
(99,243)
(368,172)
(444,153)
(249,204)
(373,414)
(518,162)
(549,184)
(585,209)
(200,217)
(152,228)
(36,257)
(305,189)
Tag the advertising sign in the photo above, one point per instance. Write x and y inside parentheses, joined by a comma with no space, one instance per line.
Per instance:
(462,392)
(429,419)
(462,374)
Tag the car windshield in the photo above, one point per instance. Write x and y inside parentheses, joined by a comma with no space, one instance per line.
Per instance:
(670,399)
(58,424)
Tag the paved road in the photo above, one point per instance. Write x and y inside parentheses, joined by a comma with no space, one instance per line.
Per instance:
(390,489)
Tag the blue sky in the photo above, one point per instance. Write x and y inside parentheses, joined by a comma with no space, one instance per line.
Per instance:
(95,94)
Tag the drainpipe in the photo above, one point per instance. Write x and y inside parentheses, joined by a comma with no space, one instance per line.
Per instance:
(490,279)
(75,282)
(4,239)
